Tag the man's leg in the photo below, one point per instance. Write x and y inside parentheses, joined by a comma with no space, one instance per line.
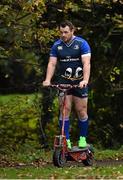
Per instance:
(64,116)
(66,126)
(81,109)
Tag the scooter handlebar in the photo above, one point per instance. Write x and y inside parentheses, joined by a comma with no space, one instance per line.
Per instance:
(63,86)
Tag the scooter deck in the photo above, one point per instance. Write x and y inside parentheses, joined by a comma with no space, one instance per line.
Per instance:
(77,149)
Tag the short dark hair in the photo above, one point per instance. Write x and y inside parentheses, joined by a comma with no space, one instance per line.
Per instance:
(67,23)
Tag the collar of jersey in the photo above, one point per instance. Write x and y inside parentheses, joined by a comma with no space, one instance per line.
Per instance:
(71,41)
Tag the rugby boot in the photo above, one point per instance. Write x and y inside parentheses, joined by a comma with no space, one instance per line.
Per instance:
(82,142)
(68,144)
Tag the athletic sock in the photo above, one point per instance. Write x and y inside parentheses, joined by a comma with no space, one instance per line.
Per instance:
(83,126)
(66,126)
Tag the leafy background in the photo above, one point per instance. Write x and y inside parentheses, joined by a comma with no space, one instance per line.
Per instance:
(27,30)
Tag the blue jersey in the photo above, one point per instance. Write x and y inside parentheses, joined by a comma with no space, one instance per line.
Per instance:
(69,57)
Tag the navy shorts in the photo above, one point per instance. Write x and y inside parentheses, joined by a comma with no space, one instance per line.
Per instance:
(78,92)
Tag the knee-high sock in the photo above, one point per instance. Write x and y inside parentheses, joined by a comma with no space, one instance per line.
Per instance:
(66,126)
(83,126)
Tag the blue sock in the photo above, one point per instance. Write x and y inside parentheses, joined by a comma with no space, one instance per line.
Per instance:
(83,126)
(66,127)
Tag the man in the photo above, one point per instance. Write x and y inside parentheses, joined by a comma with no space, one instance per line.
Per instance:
(73,55)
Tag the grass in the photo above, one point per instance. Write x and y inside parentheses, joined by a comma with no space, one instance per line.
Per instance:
(109,154)
(51,172)
(29,161)
(27,168)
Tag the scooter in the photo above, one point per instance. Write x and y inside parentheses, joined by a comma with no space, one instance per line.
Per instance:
(61,153)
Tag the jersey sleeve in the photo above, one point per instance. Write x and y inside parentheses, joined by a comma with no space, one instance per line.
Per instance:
(53,51)
(85,48)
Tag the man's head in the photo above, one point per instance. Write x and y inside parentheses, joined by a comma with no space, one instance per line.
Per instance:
(66,30)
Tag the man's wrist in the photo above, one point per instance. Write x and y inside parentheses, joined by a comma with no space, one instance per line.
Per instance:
(85,81)
(47,80)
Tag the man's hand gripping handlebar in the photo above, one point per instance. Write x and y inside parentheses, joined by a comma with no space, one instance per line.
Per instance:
(63,87)
(82,84)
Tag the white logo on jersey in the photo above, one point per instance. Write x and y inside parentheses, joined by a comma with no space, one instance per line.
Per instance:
(68,73)
(60,47)
(76,47)
(78,72)
(68,57)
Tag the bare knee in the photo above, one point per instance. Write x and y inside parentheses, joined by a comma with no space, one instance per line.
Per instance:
(66,113)
(82,114)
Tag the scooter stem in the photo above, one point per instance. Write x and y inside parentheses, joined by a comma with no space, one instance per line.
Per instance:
(63,113)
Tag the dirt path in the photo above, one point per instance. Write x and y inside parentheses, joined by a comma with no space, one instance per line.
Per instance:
(40,163)
(108,162)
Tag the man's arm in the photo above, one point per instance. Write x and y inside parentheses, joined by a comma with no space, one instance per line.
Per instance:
(50,71)
(86,69)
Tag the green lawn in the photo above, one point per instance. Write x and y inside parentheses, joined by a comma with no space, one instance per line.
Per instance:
(37,164)
(51,172)
(19,114)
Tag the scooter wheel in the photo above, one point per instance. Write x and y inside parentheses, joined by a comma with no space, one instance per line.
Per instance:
(58,159)
(89,160)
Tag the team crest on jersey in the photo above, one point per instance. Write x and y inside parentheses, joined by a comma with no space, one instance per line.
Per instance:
(76,46)
(60,47)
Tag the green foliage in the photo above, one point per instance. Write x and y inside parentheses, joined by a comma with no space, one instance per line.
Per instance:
(27,30)
(18,120)
(115,72)
(52,128)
